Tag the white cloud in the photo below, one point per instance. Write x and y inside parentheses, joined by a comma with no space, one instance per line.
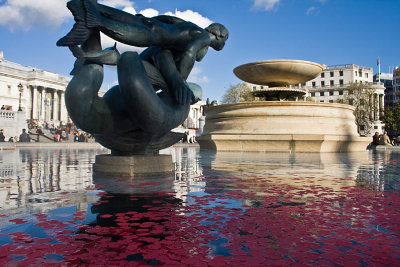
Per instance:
(196,76)
(312,10)
(117,3)
(149,12)
(265,4)
(25,14)
(191,16)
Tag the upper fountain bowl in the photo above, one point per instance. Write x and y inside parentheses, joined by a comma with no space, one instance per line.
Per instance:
(278,73)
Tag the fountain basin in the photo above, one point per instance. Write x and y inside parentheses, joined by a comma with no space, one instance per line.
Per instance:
(278,73)
(282,126)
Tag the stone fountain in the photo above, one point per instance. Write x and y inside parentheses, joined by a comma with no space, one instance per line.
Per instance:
(279,123)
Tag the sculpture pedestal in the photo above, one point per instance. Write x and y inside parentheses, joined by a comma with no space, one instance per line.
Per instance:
(133,165)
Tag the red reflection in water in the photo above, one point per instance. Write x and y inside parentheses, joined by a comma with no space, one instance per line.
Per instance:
(274,225)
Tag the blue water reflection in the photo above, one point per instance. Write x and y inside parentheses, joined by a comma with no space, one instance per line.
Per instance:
(212,208)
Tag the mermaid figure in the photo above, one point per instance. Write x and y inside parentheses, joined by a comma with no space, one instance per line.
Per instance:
(152,97)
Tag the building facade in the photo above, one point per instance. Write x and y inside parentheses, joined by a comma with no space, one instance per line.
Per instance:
(331,85)
(396,85)
(387,80)
(39,93)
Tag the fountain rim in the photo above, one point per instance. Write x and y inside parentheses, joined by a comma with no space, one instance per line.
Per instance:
(255,104)
(270,61)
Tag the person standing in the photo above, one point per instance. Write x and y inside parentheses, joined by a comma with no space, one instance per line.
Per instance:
(2,137)
(24,136)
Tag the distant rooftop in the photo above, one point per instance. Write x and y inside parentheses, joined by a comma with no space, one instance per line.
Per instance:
(30,71)
(343,66)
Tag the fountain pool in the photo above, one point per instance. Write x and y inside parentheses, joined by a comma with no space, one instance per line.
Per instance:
(217,209)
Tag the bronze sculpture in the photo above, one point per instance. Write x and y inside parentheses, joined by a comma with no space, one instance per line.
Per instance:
(152,97)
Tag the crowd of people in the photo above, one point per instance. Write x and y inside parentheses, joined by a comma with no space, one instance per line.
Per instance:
(61,133)
(23,137)
(6,107)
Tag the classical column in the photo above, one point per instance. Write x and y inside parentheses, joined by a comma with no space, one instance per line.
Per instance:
(381,105)
(42,104)
(54,105)
(34,114)
(62,109)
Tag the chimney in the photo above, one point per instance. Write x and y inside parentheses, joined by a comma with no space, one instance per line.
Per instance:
(1,56)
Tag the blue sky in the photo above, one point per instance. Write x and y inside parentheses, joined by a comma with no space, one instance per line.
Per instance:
(330,32)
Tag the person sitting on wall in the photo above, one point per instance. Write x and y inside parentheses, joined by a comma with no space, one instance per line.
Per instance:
(3,107)
(375,139)
(385,140)
(397,141)
(24,137)
(39,131)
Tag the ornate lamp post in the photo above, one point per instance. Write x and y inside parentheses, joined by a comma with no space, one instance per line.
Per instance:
(21,89)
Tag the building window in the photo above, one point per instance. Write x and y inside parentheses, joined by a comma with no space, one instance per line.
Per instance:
(323,75)
(262,87)
(331,101)
(340,73)
(360,73)
(313,84)
(341,92)
(366,75)
(355,72)
(254,88)
(322,93)
(322,83)
(303,84)
(341,82)
(332,73)
(313,94)
(322,101)
(332,82)
(330,92)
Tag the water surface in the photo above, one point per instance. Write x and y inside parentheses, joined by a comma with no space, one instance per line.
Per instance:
(218,209)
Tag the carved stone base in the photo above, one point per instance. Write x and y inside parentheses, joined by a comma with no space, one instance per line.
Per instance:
(133,165)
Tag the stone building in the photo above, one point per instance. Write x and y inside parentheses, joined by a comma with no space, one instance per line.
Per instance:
(396,85)
(42,92)
(332,83)
(387,80)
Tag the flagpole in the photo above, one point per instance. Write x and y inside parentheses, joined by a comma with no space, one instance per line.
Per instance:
(379,70)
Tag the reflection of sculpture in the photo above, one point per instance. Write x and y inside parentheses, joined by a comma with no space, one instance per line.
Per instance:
(136,116)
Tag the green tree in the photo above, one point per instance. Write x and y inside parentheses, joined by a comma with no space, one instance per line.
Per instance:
(237,93)
(391,118)
(361,97)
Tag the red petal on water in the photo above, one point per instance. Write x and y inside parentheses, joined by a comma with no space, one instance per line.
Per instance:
(18,221)
(42,240)
(105,216)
